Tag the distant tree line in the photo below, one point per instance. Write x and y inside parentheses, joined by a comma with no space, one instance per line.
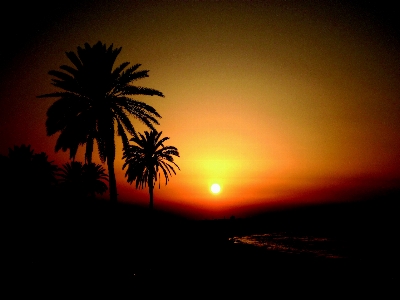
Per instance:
(26,175)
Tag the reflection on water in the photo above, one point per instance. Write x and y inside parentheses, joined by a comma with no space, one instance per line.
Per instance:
(284,242)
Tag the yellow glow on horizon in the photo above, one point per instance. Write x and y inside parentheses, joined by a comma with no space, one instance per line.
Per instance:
(215,188)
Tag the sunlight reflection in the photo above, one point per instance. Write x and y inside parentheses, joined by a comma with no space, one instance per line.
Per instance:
(286,243)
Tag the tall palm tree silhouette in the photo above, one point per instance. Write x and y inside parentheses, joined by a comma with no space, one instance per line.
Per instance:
(145,160)
(96,102)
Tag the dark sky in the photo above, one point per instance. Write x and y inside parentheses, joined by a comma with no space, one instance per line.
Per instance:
(21,23)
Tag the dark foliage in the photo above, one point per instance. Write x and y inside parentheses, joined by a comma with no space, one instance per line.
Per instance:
(27,174)
(82,180)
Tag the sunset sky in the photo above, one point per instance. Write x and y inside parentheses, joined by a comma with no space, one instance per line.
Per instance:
(280,102)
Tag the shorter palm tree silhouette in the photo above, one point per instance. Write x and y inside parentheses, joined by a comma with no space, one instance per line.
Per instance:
(70,178)
(147,159)
(94,176)
(83,180)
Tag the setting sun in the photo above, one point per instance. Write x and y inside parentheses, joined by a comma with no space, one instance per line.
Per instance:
(215,188)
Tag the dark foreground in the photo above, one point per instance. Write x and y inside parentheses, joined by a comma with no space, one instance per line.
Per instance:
(97,248)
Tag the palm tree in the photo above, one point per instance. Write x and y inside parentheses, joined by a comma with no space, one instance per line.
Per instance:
(71,179)
(95,102)
(94,176)
(83,180)
(145,160)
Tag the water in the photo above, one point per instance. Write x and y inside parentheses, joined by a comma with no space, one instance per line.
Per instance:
(295,244)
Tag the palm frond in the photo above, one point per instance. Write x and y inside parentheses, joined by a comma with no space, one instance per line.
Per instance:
(122,134)
(160,142)
(139,90)
(74,59)
(70,70)
(61,75)
(129,75)
(59,94)
(116,73)
(122,116)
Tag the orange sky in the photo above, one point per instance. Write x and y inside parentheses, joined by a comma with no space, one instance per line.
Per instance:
(279,103)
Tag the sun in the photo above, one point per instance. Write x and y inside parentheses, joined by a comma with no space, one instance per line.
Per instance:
(215,188)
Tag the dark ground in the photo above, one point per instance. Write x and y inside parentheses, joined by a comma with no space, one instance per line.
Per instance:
(122,248)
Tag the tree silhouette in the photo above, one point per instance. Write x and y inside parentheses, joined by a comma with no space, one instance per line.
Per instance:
(82,180)
(44,171)
(145,160)
(95,103)
(25,173)
(71,179)
(94,176)
(21,155)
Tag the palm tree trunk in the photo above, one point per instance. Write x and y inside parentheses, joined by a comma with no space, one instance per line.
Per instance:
(110,164)
(151,188)
(112,181)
